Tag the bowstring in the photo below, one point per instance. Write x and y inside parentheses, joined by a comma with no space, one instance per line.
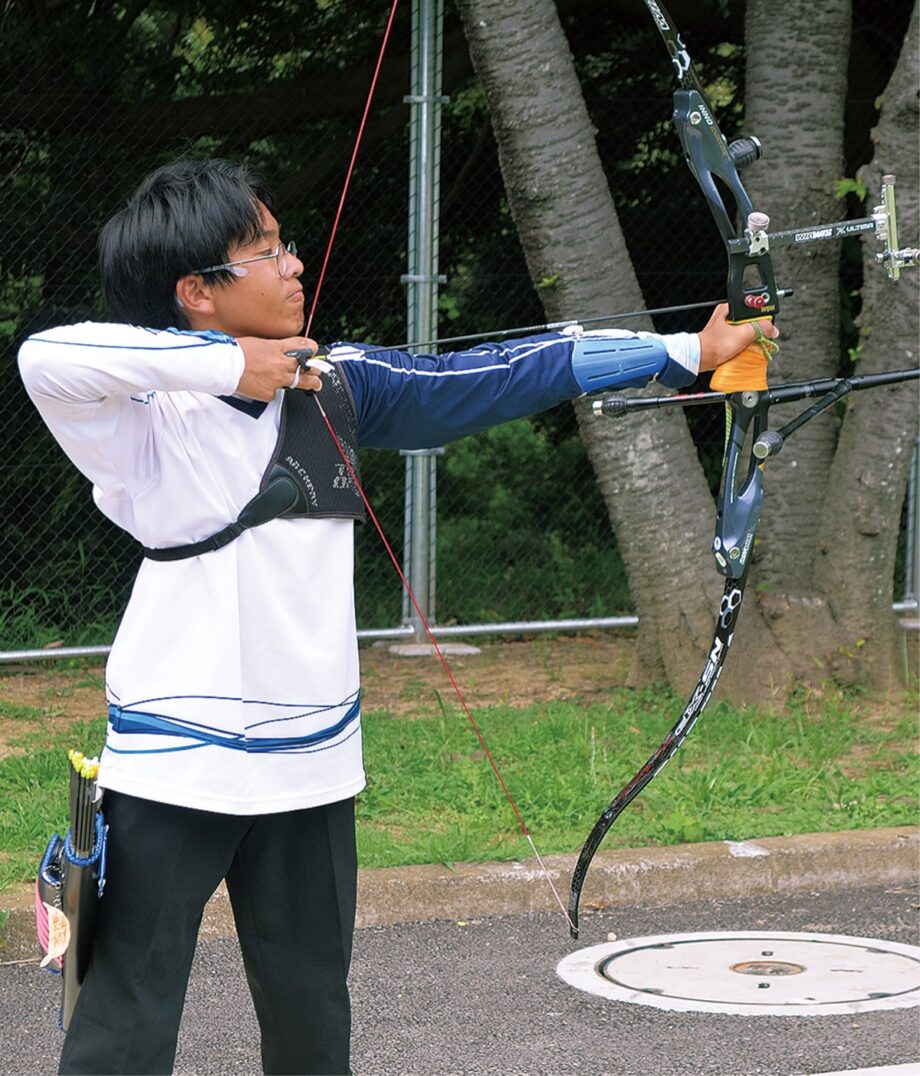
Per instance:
(437,649)
(351,166)
(405,582)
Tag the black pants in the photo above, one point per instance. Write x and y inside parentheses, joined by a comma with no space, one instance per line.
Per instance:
(291,879)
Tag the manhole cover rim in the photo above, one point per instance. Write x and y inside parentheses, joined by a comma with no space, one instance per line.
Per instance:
(581,970)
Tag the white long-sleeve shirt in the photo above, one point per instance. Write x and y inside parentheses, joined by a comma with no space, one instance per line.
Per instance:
(233,681)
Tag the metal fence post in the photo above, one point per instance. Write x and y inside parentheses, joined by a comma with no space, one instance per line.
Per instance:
(422,281)
(912,537)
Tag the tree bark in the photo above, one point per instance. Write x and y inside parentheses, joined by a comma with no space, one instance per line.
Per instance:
(653,487)
(865,492)
(801,124)
(819,602)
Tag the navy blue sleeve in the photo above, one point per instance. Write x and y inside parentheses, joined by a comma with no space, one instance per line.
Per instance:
(421,401)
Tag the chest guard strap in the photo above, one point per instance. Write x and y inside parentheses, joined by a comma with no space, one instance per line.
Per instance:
(306,476)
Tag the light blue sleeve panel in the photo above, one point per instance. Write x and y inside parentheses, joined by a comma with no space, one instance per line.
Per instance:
(607,364)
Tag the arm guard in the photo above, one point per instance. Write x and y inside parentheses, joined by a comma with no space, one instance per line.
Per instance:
(602,363)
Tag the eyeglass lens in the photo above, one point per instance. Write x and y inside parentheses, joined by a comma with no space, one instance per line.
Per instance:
(284,257)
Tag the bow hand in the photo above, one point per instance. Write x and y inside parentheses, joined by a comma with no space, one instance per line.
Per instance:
(737,353)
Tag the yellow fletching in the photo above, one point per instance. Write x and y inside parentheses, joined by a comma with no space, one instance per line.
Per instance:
(85,767)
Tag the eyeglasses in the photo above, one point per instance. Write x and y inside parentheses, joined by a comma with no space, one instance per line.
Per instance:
(283,255)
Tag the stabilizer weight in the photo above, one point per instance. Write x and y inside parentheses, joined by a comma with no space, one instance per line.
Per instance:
(769,443)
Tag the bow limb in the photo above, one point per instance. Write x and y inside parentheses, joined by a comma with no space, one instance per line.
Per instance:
(725,628)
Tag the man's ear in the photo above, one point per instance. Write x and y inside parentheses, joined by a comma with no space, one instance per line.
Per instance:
(194,296)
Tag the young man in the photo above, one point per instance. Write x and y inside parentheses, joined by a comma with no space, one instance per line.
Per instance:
(234,745)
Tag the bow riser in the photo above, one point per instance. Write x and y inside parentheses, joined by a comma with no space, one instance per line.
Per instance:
(741,497)
(709,158)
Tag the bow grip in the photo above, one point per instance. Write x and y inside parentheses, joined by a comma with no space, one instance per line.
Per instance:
(747,371)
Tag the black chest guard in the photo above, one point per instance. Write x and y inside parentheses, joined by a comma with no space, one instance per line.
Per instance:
(306,476)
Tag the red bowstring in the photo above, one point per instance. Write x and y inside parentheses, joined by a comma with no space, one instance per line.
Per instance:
(443,659)
(354,478)
(351,167)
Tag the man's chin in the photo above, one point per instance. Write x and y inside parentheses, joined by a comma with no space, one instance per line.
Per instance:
(285,332)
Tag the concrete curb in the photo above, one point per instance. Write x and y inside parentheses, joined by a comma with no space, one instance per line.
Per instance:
(718,869)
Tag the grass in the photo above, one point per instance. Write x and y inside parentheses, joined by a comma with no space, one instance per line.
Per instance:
(824,765)
(830,763)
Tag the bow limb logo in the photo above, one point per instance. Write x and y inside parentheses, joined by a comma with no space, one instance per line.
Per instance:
(679,55)
(680,58)
(729,606)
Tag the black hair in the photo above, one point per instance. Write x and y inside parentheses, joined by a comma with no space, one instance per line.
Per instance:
(184,216)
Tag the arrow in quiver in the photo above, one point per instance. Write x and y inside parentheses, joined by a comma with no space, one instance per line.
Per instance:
(71,878)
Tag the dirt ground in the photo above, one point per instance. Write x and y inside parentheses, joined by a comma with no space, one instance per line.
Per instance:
(513,673)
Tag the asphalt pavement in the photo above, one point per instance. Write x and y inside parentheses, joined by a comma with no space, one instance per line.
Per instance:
(472,994)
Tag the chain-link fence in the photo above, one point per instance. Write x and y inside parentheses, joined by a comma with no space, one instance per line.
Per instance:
(97,97)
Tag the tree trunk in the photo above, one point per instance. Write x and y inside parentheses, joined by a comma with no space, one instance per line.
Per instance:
(800,122)
(865,491)
(647,469)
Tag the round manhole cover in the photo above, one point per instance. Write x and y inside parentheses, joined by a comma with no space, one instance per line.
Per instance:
(751,972)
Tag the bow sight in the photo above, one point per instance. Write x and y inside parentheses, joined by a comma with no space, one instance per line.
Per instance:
(883,222)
